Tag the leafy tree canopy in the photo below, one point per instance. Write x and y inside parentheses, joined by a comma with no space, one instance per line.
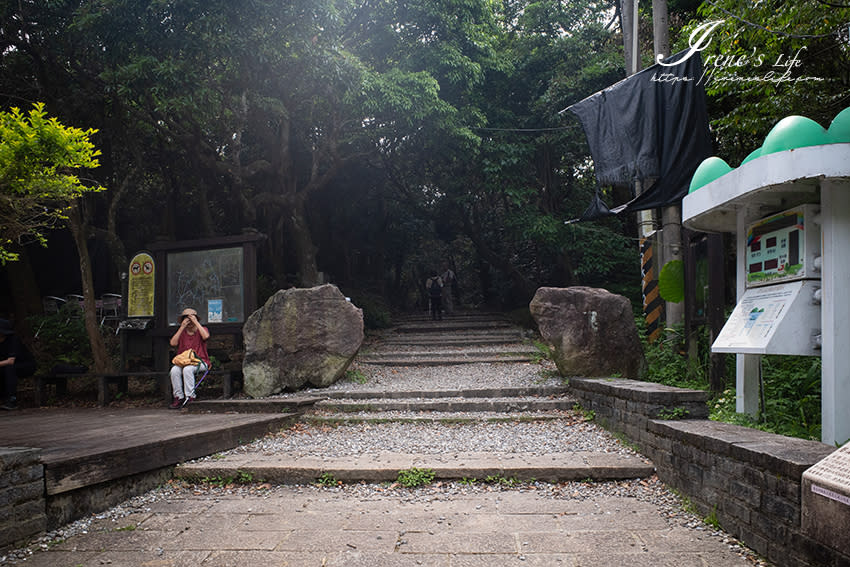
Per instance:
(40,160)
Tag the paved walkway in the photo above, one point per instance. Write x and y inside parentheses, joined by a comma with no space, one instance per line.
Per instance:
(448,526)
(371,522)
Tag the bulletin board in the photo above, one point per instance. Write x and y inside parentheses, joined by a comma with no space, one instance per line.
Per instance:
(209,281)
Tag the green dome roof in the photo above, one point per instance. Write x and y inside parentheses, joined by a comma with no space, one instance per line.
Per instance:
(709,170)
(753,155)
(839,130)
(789,133)
(794,132)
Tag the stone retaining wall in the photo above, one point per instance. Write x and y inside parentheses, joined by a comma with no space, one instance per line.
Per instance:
(748,481)
(22,505)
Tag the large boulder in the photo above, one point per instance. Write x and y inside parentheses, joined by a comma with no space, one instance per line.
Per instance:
(299,337)
(592,331)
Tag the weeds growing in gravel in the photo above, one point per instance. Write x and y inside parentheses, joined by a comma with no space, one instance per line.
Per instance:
(544,352)
(328,480)
(354,375)
(587,415)
(502,480)
(414,477)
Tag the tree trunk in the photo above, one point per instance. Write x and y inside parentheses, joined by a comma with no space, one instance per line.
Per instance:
(525,287)
(302,242)
(102,361)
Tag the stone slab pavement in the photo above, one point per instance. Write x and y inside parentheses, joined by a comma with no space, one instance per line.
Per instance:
(381,526)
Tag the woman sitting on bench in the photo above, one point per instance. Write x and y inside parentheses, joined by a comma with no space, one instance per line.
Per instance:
(190,335)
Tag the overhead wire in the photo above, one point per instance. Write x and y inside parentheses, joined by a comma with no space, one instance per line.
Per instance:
(836,32)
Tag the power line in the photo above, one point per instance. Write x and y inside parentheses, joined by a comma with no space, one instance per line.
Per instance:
(837,32)
(522,129)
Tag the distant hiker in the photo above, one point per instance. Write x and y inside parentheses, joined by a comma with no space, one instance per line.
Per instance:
(449,283)
(434,285)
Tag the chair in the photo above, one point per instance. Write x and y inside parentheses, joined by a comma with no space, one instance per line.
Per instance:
(110,307)
(76,305)
(51,304)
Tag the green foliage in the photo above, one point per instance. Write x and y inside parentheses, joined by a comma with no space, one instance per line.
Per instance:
(39,162)
(241,477)
(712,520)
(61,338)
(376,312)
(792,397)
(587,415)
(544,352)
(673,413)
(357,376)
(671,281)
(668,363)
(501,480)
(415,477)
(328,480)
(743,111)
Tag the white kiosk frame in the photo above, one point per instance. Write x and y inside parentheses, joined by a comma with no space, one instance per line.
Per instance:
(773,183)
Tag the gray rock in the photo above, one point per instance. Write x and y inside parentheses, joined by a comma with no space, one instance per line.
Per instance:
(592,331)
(300,336)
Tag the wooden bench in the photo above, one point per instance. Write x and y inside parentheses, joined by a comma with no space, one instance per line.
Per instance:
(120,379)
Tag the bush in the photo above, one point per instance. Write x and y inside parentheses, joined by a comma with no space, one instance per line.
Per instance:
(667,362)
(791,385)
(376,313)
(60,338)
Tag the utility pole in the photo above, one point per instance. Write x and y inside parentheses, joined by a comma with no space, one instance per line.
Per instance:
(653,306)
(671,217)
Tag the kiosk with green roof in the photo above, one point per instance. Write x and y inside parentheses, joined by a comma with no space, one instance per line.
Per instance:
(788,203)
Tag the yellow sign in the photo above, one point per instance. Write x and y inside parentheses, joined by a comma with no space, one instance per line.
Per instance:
(141,286)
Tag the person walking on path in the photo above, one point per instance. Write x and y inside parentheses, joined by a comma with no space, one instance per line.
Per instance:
(15,362)
(449,284)
(434,285)
(189,335)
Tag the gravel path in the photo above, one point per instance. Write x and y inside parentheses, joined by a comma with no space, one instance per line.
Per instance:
(572,433)
(371,377)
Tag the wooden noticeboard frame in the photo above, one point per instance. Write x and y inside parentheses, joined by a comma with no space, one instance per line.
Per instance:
(163,325)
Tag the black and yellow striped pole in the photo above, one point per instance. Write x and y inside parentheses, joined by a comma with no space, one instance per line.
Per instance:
(653,305)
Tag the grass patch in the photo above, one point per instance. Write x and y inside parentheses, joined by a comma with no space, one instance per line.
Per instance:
(354,375)
(328,480)
(414,477)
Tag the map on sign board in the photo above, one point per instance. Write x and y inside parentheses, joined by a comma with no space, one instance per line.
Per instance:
(209,281)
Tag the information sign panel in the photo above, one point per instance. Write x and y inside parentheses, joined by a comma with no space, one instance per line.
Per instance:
(141,285)
(777,319)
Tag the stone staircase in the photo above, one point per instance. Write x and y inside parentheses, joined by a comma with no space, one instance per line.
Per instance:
(490,344)
(460,339)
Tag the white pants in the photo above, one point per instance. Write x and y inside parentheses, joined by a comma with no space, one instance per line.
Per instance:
(183,380)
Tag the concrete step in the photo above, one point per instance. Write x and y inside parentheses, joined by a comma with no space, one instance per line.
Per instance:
(450,341)
(456,316)
(447,326)
(539,391)
(402,359)
(319,417)
(285,468)
(295,405)
(512,333)
(448,405)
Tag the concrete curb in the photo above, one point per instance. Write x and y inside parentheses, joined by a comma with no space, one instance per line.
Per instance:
(488,405)
(288,468)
